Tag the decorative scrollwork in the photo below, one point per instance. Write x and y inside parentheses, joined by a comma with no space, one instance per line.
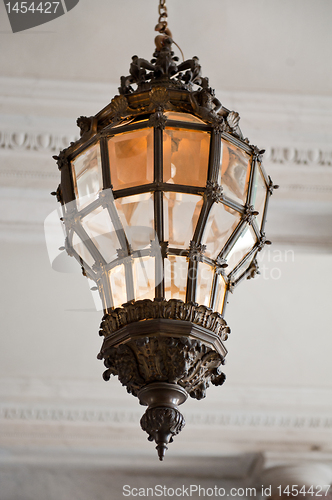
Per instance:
(183,361)
(159,97)
(258,153)
(196,251)
(119,107)
(171,309)
(214,191)
(164,70)
(61,159)
(162,424)
(157,120)
(206,105)
(262,242)
(253,270)
(87,126)
(249,214)
(233,119)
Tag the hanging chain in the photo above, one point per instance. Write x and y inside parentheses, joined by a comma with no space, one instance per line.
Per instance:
(162,10)
(162,25)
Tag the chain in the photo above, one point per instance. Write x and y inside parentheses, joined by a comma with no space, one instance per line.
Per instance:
(162,10)
(162,26)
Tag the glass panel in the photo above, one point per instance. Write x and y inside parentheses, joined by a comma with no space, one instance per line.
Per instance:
(183,117)
(176,270)
(204,283)
(186,156)
(220,294)
(87,175)
(220,224)
(259,194)
(144,281)
(81,249)
(118,285)
(137,217)
(181,212)
(234,172)
(131,158)
(244,266)
(241,248)
(100,229)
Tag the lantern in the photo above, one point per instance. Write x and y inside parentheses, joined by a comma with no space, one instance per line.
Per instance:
(164,206)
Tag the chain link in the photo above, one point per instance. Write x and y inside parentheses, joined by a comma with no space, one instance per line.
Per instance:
(162,10)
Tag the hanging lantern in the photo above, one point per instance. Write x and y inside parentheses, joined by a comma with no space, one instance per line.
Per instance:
(164,205)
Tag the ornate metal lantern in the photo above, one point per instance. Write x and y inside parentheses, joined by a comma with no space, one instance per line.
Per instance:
(164,206)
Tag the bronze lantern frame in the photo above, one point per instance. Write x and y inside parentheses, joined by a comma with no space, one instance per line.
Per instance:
(166,346)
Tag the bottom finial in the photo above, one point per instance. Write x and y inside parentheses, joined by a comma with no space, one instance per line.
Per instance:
(161,449)
(162,420)
(162,424)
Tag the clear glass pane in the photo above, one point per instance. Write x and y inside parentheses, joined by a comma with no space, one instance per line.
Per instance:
(234,172)
(241,248)
(204,283)
(220,294)
(81,249)
(259,194)
(100,229)
(176,271)
(131,158)
(87,175)
(183,117)
(137,217)
(144,278)
(243,267)
(118,285)
(220,224)
(186,156)
(181,212)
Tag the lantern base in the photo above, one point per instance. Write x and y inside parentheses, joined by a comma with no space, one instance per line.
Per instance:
(162,420)
(164,359)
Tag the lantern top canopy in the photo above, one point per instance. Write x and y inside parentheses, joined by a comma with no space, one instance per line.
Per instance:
(164,206)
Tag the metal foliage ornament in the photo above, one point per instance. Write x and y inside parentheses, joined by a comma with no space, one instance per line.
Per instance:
(164,206)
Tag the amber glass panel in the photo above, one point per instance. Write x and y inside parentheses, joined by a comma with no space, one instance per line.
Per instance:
(176,270)
(99,227)
(144,278)
(137,216)
(81,249)
(118,285)
(131,158)
(220,224)
(204,283)
(186,156)
(220,294)
(241,248)
(234,172)
(181,212)
(87,175)
(183,117)
(259,194)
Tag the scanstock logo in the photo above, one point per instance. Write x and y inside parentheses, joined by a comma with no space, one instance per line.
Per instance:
(28,14)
